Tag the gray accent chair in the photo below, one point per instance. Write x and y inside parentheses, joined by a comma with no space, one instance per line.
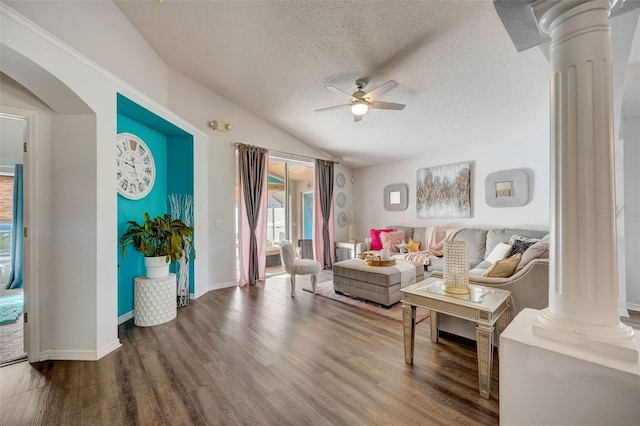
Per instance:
(295,266)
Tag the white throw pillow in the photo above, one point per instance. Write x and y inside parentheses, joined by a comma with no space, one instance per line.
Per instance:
(498,252)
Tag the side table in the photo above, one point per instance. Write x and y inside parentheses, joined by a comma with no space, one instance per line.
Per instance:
(487,307)
(348,245)
(154,300)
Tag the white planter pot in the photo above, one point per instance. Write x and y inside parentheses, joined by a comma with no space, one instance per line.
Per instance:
(157,267)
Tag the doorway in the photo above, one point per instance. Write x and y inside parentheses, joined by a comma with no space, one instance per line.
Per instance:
(14,130)
(290,188)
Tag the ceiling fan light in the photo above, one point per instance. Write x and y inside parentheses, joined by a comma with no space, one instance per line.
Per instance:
(359,108)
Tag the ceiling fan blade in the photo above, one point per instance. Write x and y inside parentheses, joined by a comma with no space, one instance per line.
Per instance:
(339,92)
(381,90)
(332,107)
(357,118)
(386,105)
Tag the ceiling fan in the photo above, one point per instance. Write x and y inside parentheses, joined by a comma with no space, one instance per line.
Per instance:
(362,101)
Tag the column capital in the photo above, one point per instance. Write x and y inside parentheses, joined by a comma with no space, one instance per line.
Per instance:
(547,11)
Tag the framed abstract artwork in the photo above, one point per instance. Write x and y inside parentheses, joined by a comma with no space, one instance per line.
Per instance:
(444,191)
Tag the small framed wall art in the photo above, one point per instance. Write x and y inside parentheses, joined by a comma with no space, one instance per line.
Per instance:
(396,197)
(507,188)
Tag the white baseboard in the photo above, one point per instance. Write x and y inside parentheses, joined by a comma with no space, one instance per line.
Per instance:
(222,285)
(62,355)
(125,317)
(633,307)
(213,287)
(80,355)
(108,348)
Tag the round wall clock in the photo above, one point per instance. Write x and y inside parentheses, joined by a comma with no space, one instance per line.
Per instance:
(136,169)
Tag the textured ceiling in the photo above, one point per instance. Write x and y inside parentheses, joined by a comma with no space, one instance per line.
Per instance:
(460,76)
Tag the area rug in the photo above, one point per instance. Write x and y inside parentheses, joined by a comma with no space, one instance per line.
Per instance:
(11,307)
(325,289)
(11,342)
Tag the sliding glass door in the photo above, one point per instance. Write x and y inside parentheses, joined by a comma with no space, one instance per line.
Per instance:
(289,206)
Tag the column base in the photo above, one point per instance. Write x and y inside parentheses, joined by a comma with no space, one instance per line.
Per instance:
(617,341)
(543,382)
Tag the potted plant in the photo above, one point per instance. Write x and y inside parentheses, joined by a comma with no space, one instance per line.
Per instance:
(161,240)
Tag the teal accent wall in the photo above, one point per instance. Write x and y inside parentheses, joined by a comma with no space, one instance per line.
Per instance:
(172,150)
(180,181)
(307,232)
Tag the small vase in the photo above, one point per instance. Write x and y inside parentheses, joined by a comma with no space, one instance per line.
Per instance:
(183,281)
(351,231)
(157,267)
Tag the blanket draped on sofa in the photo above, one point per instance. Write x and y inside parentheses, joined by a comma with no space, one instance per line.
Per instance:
(435,239)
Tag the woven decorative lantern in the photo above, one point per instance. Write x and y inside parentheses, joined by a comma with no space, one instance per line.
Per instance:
(456,267)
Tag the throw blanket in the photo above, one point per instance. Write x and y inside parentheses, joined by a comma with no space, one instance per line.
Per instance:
(407,273)
(435,239)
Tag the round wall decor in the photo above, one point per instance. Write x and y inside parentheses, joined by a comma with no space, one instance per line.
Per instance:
(135,167)
(340,180)
(342,219)
(341,199)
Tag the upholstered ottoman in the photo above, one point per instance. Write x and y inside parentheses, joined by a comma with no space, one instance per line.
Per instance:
(380,284)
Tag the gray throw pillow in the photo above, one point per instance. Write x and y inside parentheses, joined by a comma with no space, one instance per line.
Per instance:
(538,250)
(520,246)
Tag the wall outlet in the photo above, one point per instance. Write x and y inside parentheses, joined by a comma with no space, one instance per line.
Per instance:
(218,222)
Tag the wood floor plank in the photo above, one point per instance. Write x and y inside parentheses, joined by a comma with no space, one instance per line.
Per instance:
(256,356)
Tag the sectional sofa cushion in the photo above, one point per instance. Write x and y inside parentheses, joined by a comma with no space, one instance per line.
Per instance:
(475,239)
(408,231)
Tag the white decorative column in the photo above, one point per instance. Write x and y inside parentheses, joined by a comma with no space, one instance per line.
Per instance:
(583,286)
(574,363)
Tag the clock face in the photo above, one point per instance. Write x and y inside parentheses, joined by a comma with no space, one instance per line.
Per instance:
(135,167)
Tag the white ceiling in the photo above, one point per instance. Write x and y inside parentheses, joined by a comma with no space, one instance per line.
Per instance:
(460,76)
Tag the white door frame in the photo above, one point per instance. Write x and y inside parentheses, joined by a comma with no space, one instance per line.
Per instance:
(30,215)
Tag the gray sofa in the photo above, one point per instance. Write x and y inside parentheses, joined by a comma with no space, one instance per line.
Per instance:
(529,286)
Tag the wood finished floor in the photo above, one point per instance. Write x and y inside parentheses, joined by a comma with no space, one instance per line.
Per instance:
(257,356)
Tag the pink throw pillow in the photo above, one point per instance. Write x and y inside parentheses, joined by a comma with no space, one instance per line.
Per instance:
(390,239)
(376,244)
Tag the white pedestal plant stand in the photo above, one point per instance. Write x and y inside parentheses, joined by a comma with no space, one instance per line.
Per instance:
(154,300)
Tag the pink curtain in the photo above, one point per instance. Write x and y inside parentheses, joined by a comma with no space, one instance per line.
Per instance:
(323,226)
(252,172)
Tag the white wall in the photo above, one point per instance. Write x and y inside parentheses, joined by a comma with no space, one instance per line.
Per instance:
(486,156)
(200,105)
(84,323)
(15,96)
(352,209)
(631,127)
(11,137)
(72,236)
(89,329)
(99,31)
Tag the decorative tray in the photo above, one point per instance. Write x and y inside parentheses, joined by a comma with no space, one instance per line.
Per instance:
(389,262)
